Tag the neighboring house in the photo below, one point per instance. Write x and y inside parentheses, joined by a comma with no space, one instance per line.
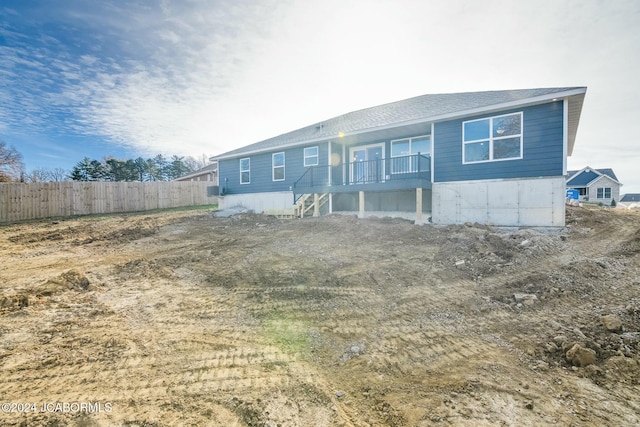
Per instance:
(207,173)
(630,201)
(595,185)
(490,157)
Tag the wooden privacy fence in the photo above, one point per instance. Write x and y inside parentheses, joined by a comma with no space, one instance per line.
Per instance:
(20,201)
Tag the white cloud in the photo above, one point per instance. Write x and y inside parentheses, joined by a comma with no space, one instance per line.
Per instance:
(208,76)
(173,97)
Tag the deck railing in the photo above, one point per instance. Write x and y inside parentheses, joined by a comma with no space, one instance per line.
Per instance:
(363,172)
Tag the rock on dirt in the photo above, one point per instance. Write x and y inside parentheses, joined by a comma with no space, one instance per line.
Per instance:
(526,299)
(581,356)
(612,323)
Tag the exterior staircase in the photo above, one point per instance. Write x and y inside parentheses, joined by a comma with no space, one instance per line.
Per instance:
(312,205)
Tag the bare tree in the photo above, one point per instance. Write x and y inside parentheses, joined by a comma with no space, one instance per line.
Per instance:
(194,164)
(11,166)
(36,175)
(46,175)
(58,175)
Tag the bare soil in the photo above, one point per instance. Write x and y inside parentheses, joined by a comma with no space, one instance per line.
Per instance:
(183,318)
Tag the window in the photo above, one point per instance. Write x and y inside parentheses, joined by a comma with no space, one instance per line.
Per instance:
(604,193)
(311,156)
(492,139)
(403,151)
(245,171)
(278,166)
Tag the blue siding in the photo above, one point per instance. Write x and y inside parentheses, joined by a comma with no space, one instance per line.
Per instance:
(583,178)
(261,170)
(542,148)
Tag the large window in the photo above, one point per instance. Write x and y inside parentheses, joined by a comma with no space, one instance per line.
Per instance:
(492,139)
(245,171)
(604,193)
(278,166)
(404,151)
(311,156)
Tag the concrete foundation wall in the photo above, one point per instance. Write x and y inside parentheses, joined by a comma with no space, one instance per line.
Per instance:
(517,202)
(258,202)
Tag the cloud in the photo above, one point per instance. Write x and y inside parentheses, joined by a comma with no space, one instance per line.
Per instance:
(202,76)
(149,78)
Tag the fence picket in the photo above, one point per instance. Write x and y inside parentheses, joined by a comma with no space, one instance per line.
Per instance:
(20,201)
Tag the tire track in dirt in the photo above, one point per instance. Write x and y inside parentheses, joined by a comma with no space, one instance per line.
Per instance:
(256,322)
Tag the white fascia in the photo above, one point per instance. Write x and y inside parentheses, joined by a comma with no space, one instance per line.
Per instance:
(602,175)
(584,169)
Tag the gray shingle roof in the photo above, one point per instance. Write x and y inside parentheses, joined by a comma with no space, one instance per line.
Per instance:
(608,172)
(208,168)
(420,108)
(631,197)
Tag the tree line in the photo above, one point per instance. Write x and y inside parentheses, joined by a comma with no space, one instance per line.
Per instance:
(158,168)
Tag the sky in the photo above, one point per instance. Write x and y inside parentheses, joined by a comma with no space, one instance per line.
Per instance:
(197,78)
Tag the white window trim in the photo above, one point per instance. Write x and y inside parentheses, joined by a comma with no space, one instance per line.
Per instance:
(491,139)
(365,147)
(604,192)
(410,139)
(273,166)
(306,157)
(248,159)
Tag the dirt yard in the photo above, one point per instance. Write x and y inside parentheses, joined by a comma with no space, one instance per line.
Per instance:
(183,318)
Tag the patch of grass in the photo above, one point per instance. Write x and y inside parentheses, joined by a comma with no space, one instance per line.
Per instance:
(274,365)
(289,334)
(105,216)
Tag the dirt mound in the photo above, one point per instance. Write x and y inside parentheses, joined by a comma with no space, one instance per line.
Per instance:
(185,318)
(70,280)
(12,300)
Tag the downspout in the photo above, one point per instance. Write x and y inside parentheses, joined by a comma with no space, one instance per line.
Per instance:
(433,144)
(329,166)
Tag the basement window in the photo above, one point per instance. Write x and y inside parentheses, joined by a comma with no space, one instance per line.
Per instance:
(492,139)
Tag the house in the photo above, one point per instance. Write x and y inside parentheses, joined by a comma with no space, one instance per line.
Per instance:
(595,185)
(490,157)
(207,173)
(630,201)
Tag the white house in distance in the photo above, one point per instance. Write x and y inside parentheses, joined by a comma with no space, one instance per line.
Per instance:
(595,185)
